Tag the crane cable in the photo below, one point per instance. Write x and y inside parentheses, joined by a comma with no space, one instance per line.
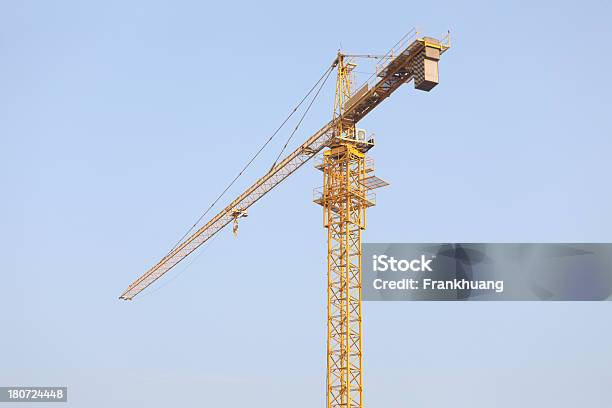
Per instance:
(301,119)
(323,78)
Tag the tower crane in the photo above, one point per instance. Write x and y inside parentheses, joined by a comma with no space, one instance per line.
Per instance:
(348,181)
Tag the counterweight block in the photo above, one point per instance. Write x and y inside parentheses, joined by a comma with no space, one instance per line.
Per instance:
(425,65)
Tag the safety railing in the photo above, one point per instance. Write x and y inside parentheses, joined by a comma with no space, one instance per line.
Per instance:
(319,161)
(394,51)
(368,198)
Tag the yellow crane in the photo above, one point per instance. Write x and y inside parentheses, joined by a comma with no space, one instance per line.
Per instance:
(348,181)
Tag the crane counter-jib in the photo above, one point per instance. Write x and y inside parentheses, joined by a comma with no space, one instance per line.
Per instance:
(418,61)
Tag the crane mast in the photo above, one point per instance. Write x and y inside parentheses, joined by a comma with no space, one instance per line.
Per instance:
(344,197)
(348,181)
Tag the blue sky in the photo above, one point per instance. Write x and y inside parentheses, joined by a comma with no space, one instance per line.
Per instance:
(121,121)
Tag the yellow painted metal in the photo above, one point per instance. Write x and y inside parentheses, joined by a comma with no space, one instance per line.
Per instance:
(343,129)
(344,207)
(344,199)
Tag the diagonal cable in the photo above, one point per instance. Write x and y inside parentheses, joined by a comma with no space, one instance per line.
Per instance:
(322,78)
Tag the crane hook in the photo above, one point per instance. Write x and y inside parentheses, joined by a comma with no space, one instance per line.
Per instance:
(238,213)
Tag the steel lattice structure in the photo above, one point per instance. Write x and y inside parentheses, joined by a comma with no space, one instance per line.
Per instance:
(344,204)
(344,208)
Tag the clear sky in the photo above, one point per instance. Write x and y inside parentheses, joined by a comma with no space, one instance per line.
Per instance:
(121,121)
